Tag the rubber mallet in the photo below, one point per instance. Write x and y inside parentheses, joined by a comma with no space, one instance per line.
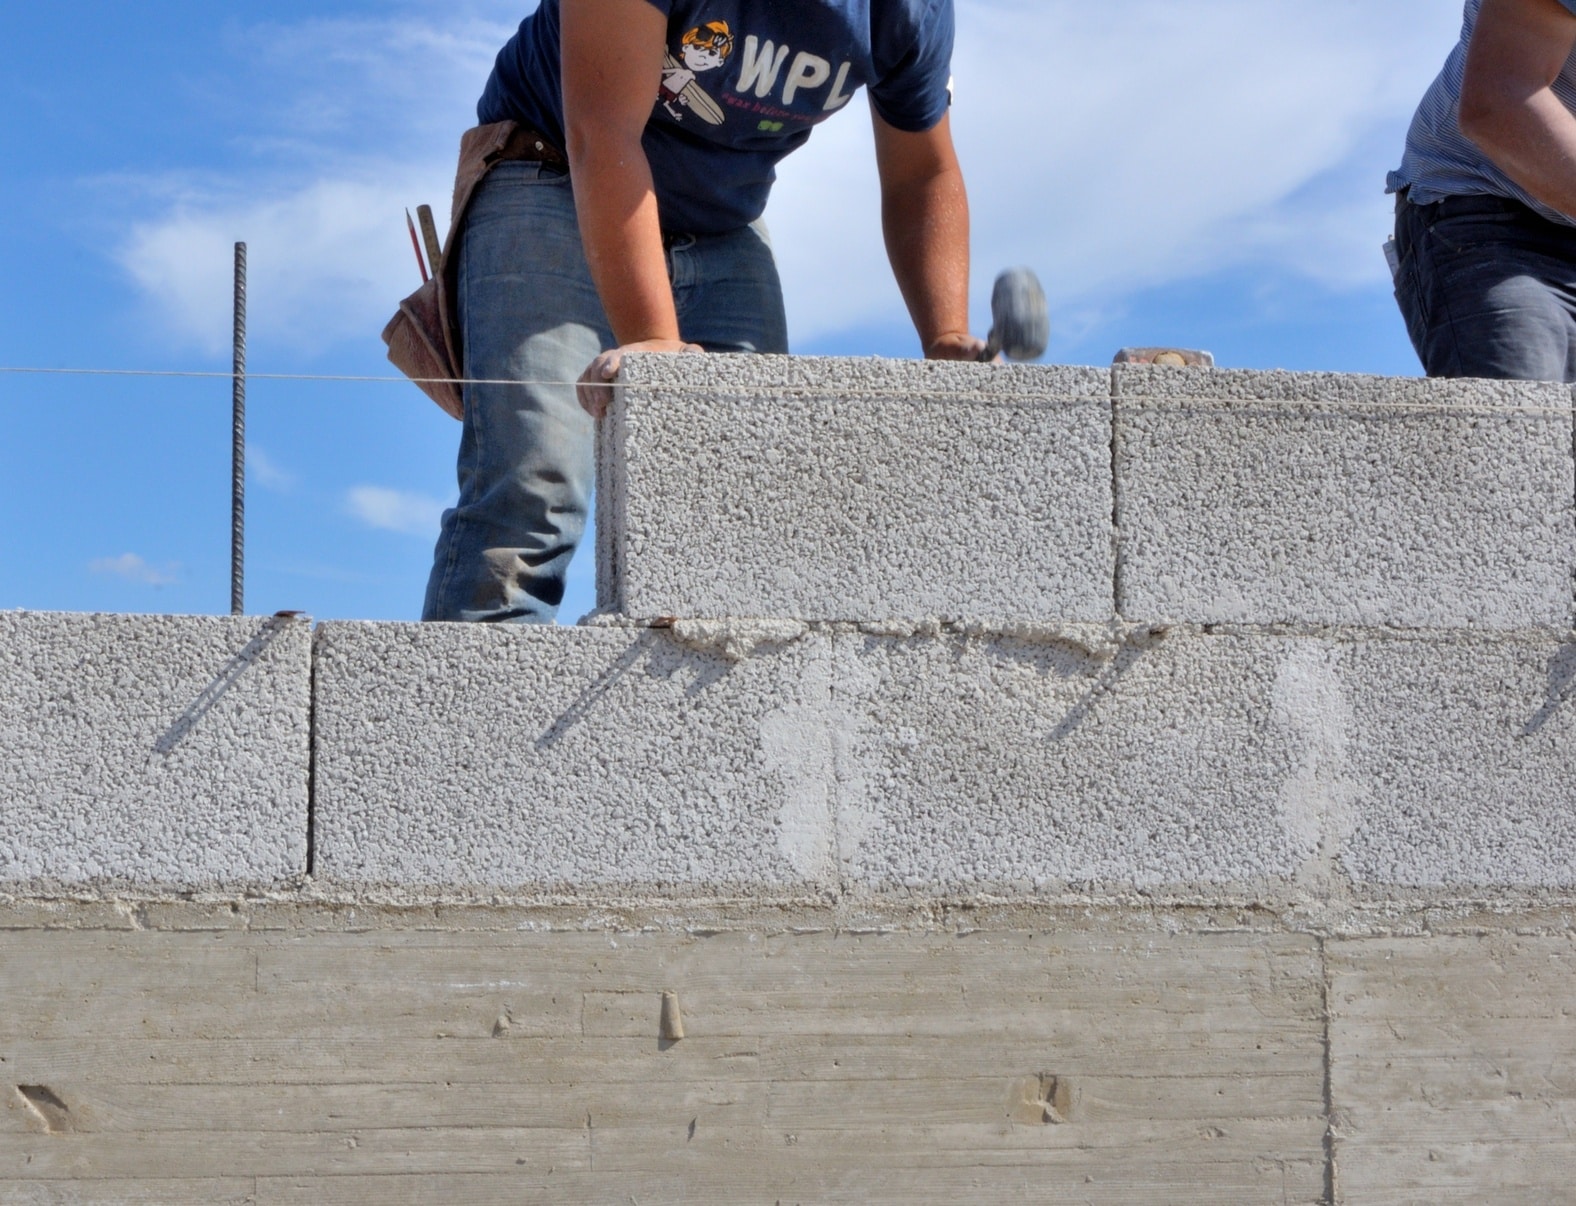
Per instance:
(1020,320)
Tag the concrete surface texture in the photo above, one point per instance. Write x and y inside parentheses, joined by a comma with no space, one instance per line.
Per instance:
(405,1063)
(153,751)
(1322,498)
(767,759)
(1451,1066)
(856,490)
(273,1054)
(833,489)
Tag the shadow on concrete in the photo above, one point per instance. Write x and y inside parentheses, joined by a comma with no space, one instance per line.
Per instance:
(1126,658)
(223,681)
(1562,685)
(599,687)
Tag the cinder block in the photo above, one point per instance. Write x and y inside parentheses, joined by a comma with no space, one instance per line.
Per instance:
(1325,498)
(1462,761)
(152,751)
(472,755)
(1014,764)
(855,489)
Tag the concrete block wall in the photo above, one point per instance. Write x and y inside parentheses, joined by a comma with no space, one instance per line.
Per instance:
(885,627)
(1122,786)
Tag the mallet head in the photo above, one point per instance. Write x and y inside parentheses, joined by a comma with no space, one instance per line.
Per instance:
(1020,320)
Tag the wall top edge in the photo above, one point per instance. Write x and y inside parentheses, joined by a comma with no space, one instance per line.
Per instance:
(858,374)
(283,619)
(854,376)
(787,628)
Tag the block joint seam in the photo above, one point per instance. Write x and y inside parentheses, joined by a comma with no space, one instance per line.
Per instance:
(1326,1009)
(1116,504)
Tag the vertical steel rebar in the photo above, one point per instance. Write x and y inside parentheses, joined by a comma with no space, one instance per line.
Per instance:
(238,443)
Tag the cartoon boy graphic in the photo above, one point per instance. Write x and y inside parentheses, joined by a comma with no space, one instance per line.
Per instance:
(704,48)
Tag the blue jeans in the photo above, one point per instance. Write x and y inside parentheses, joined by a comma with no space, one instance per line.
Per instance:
(528,313)
(1487,288)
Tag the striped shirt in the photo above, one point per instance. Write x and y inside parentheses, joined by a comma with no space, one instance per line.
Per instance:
(1442,162)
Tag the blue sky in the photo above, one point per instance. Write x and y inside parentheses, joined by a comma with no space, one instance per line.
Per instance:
(1206,173)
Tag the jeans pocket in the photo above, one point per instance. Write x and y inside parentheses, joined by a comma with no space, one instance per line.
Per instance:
(1461,232)
(523,173)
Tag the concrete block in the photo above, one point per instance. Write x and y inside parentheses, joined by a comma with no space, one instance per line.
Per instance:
(855,489)
(1460,767)
(152,750)
(1022,764)
(471,755)
(1326,498)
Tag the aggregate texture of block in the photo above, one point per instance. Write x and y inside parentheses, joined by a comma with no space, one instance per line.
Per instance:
(855,489)
(1458,768)
(1323,498)
(472,755)
(154,751)
(717,757)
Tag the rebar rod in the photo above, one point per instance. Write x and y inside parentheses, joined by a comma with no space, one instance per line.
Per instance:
(238,443)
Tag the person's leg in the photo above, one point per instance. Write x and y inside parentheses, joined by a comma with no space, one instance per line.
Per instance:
(528,312)
(1488,289)
(727,291)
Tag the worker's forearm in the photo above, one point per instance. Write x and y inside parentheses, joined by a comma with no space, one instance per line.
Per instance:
(617,208)
(1518,51)
(1532,139)
(927,237)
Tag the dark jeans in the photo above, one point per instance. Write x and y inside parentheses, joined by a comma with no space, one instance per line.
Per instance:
(1487,288)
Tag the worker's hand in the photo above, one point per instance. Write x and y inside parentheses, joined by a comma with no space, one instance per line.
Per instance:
(957,345)
(593,389)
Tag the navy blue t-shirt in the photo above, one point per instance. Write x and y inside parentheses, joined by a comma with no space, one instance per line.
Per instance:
(744,83)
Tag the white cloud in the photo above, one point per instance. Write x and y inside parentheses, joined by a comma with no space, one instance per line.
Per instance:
(366,118)
(135,569)
(1120,146)
(262,469)
(326,262)
(395,510)
(1114,147)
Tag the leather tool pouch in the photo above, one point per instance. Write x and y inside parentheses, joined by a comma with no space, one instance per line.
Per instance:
(422,339)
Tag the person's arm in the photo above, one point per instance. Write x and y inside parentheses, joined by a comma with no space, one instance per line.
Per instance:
(612,68)
(925,217)
(1508,106)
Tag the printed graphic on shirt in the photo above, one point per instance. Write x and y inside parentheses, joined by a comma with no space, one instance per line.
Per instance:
(767,72)
(702,49)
